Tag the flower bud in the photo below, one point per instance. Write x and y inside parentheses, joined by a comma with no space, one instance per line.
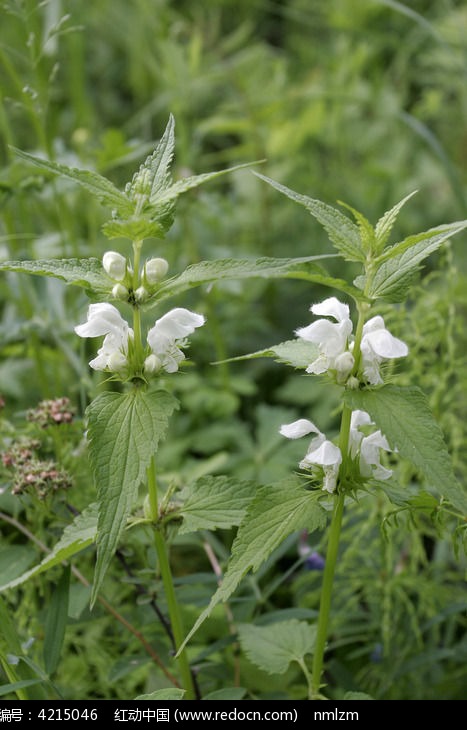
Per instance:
(152,364)
(141,294)
(120,292)
(155,270)
(344,364)
(115,265)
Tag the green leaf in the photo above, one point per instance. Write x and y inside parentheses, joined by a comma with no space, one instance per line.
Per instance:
(136,229)
(87,273)
(76,537)
(5,689)
(367,232)
(357,696)
(169,693)
(55,627)
(153,176)
(14,560)
(207,272)
(343,233)
(297,353)
(399,264)
(98,186)
(272,648)
(227,693)
(405,418)
(385,224)
(276,511)
(124,431)
(215,502)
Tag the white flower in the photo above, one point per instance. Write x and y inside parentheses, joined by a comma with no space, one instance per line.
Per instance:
(115,265)
(369,447)
(155,270)
(330,337)
(105,319)
(170,331)
(321,452)
(378,345)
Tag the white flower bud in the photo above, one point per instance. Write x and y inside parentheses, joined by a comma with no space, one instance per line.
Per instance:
(115,265)
(141,294)
(120,292)
(344,364)
(152,364)
(155,270)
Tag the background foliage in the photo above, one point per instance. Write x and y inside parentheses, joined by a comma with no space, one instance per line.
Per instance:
(363,103)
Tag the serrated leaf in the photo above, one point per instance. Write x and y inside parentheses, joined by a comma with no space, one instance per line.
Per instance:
(434,236)
(297,353)
(206,272)
(169,693)
(272,648)
(343,233)
(136,229)
(98,186)
(367,232)
(87,273)
(385,224)
(154,174)
(276,511)
(405,418)
(215,502)
(402,261)
(76,537)
(124,431)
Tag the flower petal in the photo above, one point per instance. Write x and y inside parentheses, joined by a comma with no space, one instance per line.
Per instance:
(170,329)
(332,307)
(370,456)
(381,341)
(327,454)
(175,325)
(299,428)
(102,319)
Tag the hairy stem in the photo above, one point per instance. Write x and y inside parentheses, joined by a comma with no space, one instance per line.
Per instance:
(167,580)
(326,592)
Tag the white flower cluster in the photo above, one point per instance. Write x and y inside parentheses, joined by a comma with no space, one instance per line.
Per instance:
(117,268)
(164,339)
(335,344)
(323,453)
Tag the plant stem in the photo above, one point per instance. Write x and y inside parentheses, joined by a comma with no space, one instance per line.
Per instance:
(166,574)
(326,591)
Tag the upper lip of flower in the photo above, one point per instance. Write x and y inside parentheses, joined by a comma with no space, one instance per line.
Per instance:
(103,319)
(170,330)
